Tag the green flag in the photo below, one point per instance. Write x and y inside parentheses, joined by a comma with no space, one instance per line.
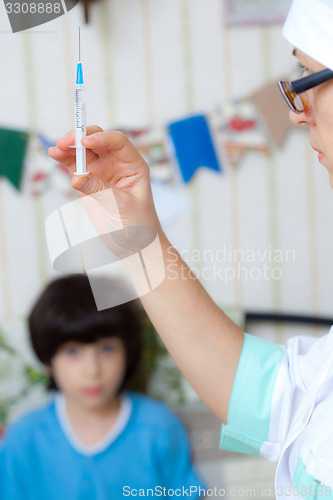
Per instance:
(13,144)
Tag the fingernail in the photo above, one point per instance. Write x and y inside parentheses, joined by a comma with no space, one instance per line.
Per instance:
(67,136)
(90,137)
(83,183)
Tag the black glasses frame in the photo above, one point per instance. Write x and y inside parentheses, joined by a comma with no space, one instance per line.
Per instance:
(290,90)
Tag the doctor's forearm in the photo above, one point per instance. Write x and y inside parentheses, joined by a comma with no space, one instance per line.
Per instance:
(202,340)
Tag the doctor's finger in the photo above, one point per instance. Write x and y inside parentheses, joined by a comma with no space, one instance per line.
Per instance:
(68,157)
(69,139)
(115,143)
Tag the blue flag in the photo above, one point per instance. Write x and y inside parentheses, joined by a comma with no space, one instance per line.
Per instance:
(193,145)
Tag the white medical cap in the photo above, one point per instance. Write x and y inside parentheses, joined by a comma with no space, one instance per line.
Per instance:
(309,27)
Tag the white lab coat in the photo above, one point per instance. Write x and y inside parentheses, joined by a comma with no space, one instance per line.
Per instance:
(281,407)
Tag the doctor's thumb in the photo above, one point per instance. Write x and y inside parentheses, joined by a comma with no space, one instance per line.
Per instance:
(87,184)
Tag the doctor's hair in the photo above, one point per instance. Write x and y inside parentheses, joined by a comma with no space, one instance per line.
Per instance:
(66,312)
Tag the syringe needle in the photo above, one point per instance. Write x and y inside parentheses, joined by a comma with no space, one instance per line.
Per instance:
(80,118)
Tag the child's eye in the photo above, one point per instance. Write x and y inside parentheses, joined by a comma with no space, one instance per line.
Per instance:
(72,351)
(107,348)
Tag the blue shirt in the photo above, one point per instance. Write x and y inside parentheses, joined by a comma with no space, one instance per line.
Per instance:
(37,462)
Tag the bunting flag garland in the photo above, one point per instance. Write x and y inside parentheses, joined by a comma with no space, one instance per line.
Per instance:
(239,130)
(45,142)
(235,129)
(193,145)
(274,112)
(13,145)
(151,144)
(42,172)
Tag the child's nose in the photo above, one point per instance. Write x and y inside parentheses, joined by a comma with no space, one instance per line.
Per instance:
(92,365)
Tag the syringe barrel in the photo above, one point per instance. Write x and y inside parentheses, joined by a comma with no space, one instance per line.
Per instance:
(80,93)
(81,166)
(80,127)
(80,110)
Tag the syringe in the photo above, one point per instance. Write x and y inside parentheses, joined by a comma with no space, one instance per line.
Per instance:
(80,118)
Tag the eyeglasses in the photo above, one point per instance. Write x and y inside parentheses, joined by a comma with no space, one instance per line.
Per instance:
(292,91)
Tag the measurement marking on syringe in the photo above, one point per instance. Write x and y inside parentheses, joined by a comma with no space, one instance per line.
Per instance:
(80,119)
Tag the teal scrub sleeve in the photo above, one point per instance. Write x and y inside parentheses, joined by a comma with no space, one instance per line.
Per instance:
(250,403)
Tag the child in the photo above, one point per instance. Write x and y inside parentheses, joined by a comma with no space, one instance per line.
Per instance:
(274,401)
(94,441)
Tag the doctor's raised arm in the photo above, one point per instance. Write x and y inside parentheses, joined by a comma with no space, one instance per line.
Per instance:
(203,341)
(274,401)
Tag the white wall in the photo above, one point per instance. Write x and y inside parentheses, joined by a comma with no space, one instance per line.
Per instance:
(147,62)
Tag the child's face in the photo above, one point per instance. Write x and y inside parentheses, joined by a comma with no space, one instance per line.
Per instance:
(90,374)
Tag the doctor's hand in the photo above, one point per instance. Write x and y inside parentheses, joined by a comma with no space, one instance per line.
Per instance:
(114,164)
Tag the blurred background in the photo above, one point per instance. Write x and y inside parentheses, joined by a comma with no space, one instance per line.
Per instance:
(251,212)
